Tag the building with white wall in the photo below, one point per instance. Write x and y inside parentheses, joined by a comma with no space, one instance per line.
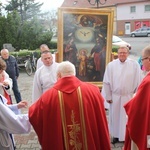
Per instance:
(128,14)
(132,16)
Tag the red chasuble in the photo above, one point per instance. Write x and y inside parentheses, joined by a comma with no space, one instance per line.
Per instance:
(71,115)
(138,111)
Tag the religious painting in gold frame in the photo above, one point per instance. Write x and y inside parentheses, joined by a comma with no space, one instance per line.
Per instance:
(85,39)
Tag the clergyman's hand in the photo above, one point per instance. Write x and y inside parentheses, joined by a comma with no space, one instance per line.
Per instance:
(22,104)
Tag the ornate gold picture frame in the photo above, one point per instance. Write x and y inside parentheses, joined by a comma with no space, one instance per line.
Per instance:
(85,39)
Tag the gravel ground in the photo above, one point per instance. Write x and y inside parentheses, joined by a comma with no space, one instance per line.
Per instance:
(26,141)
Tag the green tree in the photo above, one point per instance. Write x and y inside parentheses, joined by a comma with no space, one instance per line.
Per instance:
(0,9)
(2,30)
(26,8)
(12,26)
(12,5)
(33,34)
(22,26)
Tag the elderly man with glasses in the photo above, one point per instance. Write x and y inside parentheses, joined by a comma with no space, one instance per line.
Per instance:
(121,79)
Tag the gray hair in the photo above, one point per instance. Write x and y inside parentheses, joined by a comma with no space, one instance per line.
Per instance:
(123,47)
(4,50)
(66,68)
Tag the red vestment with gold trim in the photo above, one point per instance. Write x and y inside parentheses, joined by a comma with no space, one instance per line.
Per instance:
(46,117)
(138,111)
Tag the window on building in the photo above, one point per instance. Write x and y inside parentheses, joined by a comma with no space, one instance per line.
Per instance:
(132,9)
(147,8)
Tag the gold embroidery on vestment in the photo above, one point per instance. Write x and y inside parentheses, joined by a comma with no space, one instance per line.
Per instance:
(83,128)
(63,118)
(75,129)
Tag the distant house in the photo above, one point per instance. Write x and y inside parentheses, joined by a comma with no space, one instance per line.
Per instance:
(128,14)
(132,15)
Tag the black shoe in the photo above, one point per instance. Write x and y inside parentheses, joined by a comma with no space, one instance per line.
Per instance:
(114,141)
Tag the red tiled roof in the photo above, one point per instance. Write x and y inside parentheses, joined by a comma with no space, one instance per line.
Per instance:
(115,2)
(85,3)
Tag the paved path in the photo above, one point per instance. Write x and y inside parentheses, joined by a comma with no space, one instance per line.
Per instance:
(30,141)
(26,141)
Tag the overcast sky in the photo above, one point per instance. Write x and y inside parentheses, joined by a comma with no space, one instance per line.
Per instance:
(48,4)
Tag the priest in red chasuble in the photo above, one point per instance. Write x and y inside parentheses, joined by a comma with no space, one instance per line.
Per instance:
(138,112)
(70,115)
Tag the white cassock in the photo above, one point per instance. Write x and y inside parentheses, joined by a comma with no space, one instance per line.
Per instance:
(119,84)
(11,123)
(44,78)
(39,63)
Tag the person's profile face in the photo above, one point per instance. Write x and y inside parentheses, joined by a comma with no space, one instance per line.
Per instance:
(58,75)
(146,62)
(1,71)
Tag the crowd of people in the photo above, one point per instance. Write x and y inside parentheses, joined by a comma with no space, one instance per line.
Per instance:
(67,113)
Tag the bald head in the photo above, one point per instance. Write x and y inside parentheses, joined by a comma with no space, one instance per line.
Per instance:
(5,53)
(44,47)
(146,51)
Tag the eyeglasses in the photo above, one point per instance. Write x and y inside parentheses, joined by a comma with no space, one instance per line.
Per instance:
(144,58)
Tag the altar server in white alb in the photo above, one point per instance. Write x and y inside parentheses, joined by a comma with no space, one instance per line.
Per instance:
(12,123)
(45,76)
(121,79)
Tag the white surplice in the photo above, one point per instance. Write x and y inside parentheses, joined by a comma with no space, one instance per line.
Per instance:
(44,78)
(11,123)
(119,84)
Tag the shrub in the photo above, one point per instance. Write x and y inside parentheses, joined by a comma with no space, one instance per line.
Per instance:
(115,48)
(20,53)
(53,45)
(25,52)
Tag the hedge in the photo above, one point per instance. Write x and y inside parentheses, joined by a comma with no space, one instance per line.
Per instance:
(25,52)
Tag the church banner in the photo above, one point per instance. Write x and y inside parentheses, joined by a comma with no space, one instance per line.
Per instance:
(85,39)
